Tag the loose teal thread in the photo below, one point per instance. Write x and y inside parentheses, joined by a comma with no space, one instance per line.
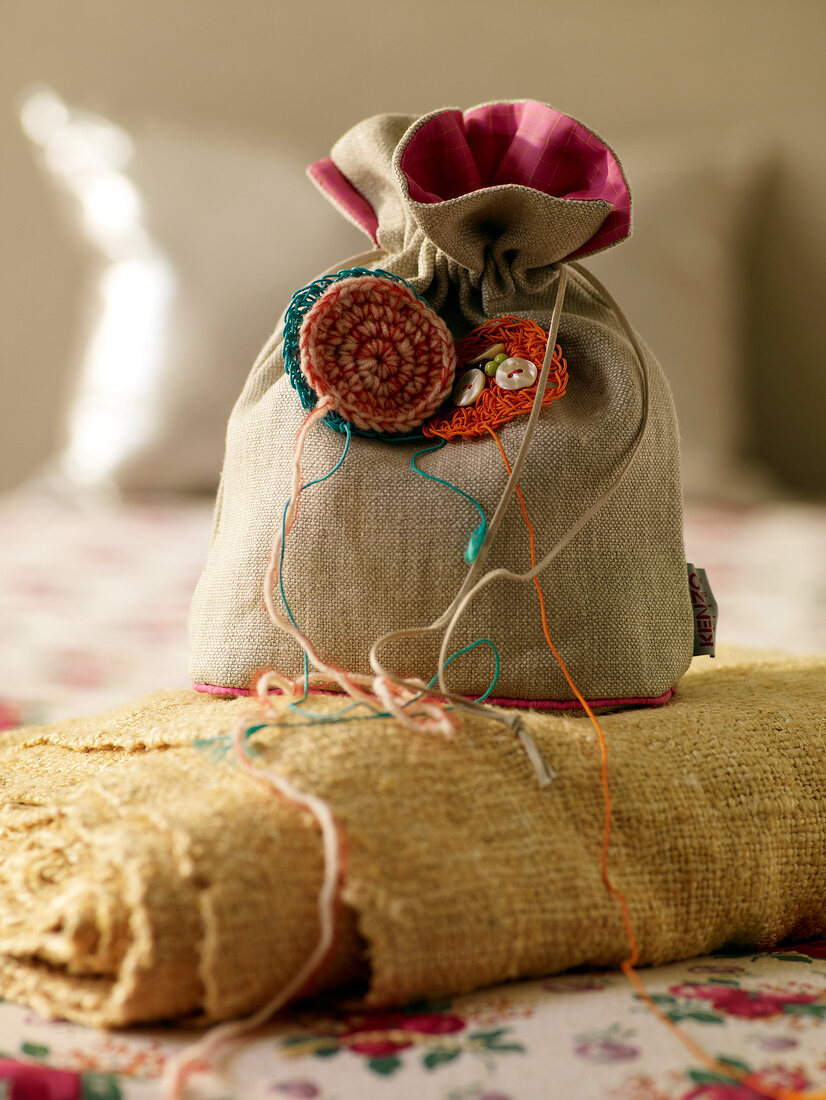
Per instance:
(322,719)
(326,719)
(248,734)
(218,747)
(473,546)
(309,485)
(317,481)
(248,750)
(478,535)
(480,531)
(215,749)
(460,652)
(300,303)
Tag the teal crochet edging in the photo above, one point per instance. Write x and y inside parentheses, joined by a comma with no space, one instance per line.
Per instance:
(300,304)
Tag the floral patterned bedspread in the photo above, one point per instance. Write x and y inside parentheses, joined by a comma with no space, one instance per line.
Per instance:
(578,1036)
(93,607)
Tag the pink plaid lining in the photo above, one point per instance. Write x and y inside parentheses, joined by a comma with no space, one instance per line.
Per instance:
(525,143)
(537,704)
(352,202)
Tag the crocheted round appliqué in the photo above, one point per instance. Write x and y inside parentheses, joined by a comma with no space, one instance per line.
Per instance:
(369,342)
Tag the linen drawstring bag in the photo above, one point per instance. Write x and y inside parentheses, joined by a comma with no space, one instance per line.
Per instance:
(478,219)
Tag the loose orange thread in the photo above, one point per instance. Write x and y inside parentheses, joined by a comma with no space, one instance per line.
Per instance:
(627,966)
(495,406)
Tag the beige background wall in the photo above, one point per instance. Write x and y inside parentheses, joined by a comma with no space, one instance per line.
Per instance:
(301,73)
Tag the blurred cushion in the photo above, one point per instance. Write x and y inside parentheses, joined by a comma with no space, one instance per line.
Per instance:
(785,290)
(679,279)
(197,240)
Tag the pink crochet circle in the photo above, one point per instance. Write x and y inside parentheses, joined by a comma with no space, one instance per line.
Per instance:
(383,355)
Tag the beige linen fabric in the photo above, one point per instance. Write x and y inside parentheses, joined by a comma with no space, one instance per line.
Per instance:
(379,548)
(142,878)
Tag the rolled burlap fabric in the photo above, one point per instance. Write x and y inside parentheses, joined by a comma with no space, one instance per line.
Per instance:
(142,876)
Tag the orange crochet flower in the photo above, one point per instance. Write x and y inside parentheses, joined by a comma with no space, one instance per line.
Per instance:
(495,406)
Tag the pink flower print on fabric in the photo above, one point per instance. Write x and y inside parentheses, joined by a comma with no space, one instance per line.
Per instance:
(297,1090)
(777,1042)
(397,1025)
(776,1077)
(732,1001)
(606,1050)
(21,1081)
(611,1045)
(10,715)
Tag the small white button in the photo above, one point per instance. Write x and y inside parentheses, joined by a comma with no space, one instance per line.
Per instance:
(515,374)
(468,387)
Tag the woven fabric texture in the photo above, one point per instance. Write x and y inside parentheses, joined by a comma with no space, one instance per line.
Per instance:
(378,548)
(142,877)
(139,880)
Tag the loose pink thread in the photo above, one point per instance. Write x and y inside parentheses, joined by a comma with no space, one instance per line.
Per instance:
(198,1056)
(427,717)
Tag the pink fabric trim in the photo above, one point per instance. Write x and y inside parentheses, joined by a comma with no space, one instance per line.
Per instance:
(535,704)
(356,207)
(216,689)
(574,704)
(525,143)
